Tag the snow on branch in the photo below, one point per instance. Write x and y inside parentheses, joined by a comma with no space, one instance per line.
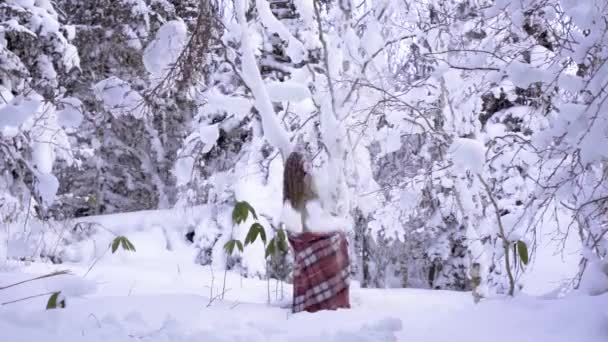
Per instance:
(273,132)
(295,49)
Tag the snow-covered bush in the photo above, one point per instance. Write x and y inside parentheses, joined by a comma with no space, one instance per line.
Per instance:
(445,137)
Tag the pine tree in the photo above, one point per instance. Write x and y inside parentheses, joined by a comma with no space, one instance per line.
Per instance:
(35,54)
(128,149)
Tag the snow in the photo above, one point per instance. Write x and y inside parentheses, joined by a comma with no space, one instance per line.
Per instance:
(18,110)
(523,74)
(287,91)
(209,135)
(273,131)
(468,154)
(158,293)
(71,114)
(13,25)
(295,49)
(70,32)
(217,101)
(166,47)
(554,261)
(118,98)
(306,10)
(183,169)
(168,300)
(595,278)
(322,221)
(47,186)
(392,140)
(580,12)
(43,157)
(372,39)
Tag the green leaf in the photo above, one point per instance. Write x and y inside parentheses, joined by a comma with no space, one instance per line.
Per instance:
(255,230)
(283,246)
(239,245)
(53,302)
(252,234)
(250,209)
(281,235)
(522,248)
(270,249)
(130,245)
(115,244)
(241,212)
(229,246)
(123,243)
(262,232)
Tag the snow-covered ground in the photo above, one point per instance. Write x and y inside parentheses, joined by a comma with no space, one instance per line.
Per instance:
(159,300)
(159,294)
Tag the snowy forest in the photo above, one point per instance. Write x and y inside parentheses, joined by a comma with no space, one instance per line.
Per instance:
(457,144)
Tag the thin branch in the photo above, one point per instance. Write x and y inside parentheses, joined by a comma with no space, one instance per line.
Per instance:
(29,297)
(505,241)
(54,274)
(325,56)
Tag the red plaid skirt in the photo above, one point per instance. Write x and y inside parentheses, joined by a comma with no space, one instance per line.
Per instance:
(321,271)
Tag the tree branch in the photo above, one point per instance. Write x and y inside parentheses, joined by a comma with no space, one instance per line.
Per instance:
(505,242)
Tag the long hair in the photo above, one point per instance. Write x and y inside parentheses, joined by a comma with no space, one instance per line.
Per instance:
(294,180)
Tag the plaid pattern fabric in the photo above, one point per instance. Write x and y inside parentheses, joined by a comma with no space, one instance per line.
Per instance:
(321,270)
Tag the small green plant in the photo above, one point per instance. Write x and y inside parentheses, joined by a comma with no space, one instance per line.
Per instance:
(52,303)
(55,301)
(273,249)
(277,244)
(229,246)
(118,241)
(123,242)
(255,230)
(240,213)
(522,251)
(520,254)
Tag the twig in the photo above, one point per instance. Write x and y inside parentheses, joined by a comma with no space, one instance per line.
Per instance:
(150,334)
(211,300)
(95,262)
(57,273)
(96,319)
(330,82)
(224,283)
(29,297)
(505,242)
(211,287)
